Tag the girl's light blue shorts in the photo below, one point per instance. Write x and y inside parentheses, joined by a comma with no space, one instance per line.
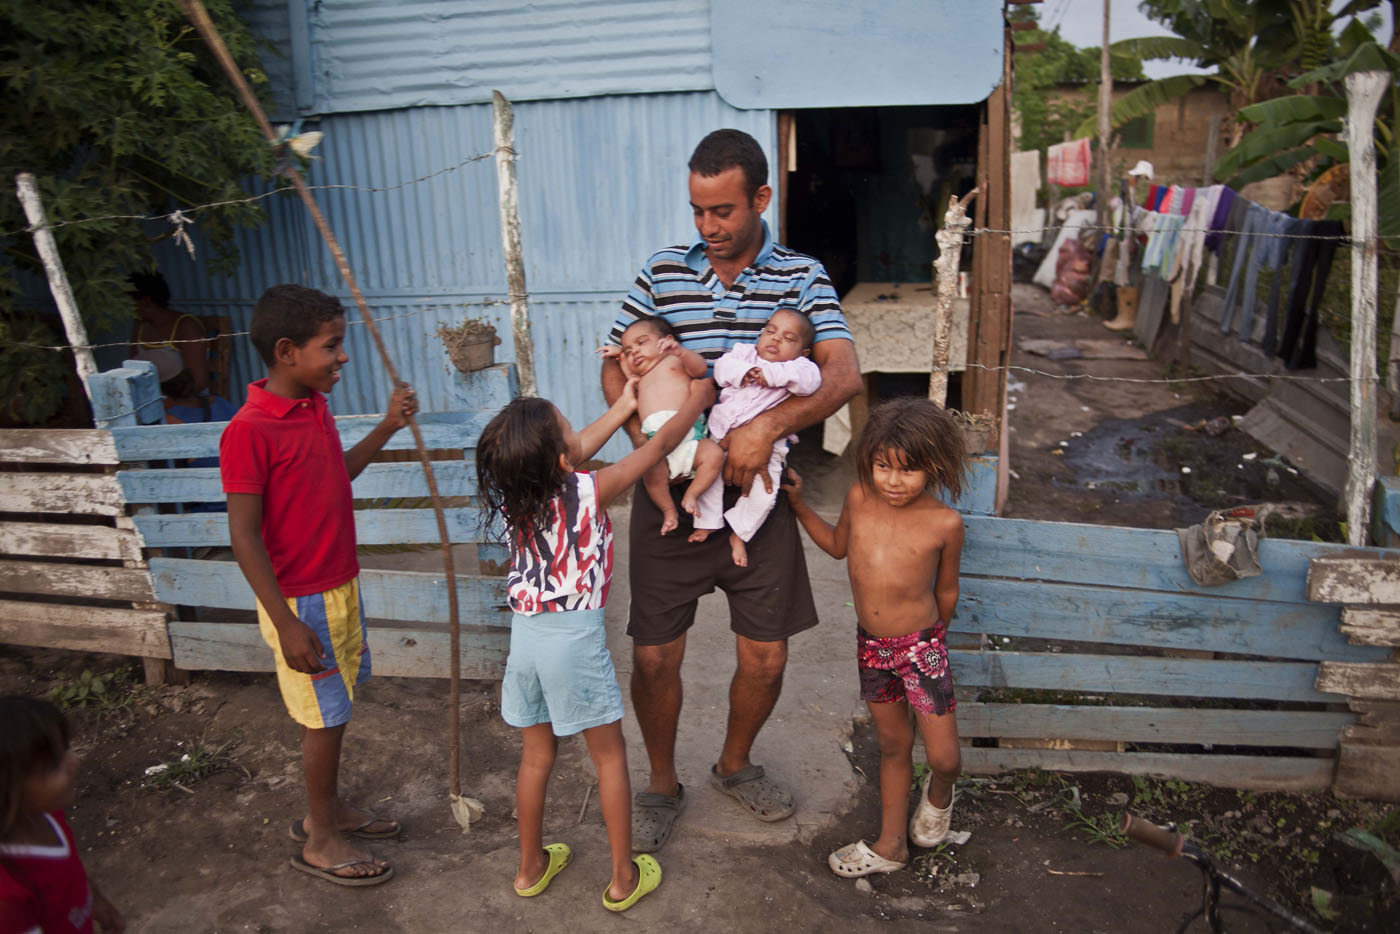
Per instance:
(559,672)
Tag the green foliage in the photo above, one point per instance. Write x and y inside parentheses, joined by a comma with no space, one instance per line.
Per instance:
(31,380)
(119,109)
(190,767)
(93,691)
(1046,116)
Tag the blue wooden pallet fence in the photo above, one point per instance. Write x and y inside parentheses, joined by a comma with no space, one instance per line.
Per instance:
(407,609)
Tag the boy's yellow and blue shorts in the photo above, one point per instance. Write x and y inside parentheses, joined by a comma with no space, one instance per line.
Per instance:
(324,699)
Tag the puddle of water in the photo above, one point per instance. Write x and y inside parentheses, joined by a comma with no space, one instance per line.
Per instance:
(1118,456)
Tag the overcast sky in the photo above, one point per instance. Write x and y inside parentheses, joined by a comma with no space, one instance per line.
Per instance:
(1081,22)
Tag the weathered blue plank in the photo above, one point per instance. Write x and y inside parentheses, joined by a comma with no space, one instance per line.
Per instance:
(441,431)
(1126,674)
(397,652)
(201,484)
(980,492)
(372,527)
(399,595)
(1148,559)
(1259,773)
(1047,610)
(1304,729)
(128,395)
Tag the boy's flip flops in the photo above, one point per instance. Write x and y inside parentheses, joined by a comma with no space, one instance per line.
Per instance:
(297,830)
(648,878)
(559,856)
(330,875)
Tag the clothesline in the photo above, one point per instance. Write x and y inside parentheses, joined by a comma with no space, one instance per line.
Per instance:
(187,211)
(203,340)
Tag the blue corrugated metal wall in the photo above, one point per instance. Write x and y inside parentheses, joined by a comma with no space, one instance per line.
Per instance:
(602,185)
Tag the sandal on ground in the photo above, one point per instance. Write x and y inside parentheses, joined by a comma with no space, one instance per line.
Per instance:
(297,830)
(330,873)
(929,825)
(858,860)
(559,856)
(648,878)
(653,815)
(763,797)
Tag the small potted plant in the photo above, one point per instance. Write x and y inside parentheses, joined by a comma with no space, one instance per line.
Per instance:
(979,430)
(470,345)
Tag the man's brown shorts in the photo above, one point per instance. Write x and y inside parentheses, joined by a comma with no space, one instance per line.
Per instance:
(769,600)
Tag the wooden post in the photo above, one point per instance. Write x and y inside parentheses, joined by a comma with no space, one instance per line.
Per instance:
(1105,105)
(1364,91)
(1212,147)
(58,279)
(503,119)
(945,280)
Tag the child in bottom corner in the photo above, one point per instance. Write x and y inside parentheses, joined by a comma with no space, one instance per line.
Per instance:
(559,676)
(902,548)
(44,888)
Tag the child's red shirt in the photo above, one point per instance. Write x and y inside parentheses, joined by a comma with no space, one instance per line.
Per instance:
(288,452)
(44,888)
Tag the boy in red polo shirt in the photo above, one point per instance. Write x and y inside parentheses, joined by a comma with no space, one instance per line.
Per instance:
(292,525)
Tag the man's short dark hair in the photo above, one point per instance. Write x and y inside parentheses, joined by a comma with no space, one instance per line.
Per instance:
(150,285)
(724,149)
(291,311)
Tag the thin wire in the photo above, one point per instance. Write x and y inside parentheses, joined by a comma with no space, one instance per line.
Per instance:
(52,225)
(204,340)
(1180,379)
(1339,238)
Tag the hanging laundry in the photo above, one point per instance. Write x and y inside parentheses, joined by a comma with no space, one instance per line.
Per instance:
(1067,164)
(1224,199)
(1311,265)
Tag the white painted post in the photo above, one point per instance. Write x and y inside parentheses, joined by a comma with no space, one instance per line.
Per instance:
(1364,90)
(945,274)
(28,190)
(504,122)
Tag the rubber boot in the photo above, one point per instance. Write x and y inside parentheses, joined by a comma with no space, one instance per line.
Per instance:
(1127,309)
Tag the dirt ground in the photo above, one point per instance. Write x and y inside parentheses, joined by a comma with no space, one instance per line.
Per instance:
(201,845)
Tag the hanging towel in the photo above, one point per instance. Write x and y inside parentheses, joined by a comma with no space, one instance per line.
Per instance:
(1067,164)
(1025,184)
(1224,200)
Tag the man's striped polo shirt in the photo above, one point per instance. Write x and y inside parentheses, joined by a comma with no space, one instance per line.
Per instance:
(679,284)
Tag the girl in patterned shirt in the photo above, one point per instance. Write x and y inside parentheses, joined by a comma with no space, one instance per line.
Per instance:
(559,676)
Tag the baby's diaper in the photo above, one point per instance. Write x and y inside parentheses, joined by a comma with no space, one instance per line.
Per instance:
(681,461)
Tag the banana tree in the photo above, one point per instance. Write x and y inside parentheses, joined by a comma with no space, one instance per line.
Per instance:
(1303,129)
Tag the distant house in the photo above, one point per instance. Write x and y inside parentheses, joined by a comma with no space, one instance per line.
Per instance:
(1174,138)
(869,114)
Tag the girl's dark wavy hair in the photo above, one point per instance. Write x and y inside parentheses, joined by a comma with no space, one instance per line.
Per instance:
(33,740)
(517,464)
(930,437)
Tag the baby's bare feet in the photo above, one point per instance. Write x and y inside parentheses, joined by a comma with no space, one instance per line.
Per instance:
(670,521)
(690,502)
(699,535)
(738,550)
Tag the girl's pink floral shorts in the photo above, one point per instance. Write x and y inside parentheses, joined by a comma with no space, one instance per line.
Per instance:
(911,668)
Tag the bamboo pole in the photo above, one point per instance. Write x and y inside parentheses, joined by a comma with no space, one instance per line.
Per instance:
(503,122)
(1364,90)
(945,276)
(28,190)
(1105,105)
(195,12)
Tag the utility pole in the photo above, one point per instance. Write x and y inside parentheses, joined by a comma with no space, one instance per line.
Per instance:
(1105,104)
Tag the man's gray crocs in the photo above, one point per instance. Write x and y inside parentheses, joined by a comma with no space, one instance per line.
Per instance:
(761,796)
(653,815)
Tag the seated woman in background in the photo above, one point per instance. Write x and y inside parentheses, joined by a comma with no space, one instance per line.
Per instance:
(174,342)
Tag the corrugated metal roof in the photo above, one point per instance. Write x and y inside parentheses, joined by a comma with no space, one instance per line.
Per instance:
(371,55)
